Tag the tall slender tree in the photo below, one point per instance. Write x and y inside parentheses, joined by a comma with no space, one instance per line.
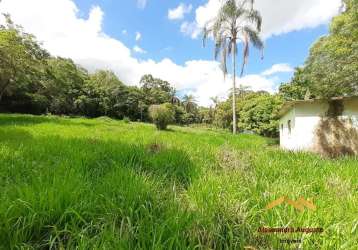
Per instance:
(236,22)
(189,103)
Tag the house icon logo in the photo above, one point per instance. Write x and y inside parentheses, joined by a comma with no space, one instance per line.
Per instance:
(300,204)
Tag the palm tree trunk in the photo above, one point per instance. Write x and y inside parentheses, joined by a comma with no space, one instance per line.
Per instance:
(234,121)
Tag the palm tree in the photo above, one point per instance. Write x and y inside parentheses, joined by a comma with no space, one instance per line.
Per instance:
(237,21)
(189,103)
(240,91)
(173,98)
(215,100)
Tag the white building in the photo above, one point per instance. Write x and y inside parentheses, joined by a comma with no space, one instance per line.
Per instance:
(320,125)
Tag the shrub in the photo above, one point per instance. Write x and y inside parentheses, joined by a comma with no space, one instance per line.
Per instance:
(162,115)
(126,120)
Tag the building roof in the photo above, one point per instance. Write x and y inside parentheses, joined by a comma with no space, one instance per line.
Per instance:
(287,106)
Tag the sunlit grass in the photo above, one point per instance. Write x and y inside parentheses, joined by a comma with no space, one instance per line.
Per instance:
(100,183)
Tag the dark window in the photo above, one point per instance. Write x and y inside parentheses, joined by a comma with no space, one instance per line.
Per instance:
(289,126)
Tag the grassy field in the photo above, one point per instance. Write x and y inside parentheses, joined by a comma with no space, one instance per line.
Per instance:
(99,183)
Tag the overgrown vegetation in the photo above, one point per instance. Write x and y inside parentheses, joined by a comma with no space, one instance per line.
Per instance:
(256,112)
(105,184)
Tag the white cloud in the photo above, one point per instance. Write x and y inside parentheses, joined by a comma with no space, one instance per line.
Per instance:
(179,12)
(63,33)
(279,16)
(139,50)
(258,82)
(138,36)
(141,4)
(278,68)
(190,29)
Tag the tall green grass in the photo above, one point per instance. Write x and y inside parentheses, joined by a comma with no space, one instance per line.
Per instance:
(105,184)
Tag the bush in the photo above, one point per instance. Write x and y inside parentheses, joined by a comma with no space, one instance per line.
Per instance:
(162,115)
(126,120)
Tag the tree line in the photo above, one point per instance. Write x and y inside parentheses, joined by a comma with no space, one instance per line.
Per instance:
(32,81)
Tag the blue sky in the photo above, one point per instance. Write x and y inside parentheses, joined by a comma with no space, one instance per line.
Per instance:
(102,34)
(162,38)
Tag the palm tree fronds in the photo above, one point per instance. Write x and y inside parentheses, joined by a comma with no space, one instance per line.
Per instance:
(224,54)
(255,17)
(254,37)
(245,53)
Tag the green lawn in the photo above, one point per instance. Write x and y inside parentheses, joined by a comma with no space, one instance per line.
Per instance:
(100,183)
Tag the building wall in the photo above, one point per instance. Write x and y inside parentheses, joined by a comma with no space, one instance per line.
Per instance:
(351,110)
(287,139)
(312,130)
(308,117)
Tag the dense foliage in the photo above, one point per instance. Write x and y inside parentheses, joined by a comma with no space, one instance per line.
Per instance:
(256,112)
(332,66)
(32,81)
(21,69)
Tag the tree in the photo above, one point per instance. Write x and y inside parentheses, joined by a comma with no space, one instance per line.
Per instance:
(21,57)
(132,106)
(223,114)
(215,100)
(174,99)
(236,21)
(332,66)
(206,115)
(156,90)
(258,113)
(189,103)
(105,94)
(64,84)
(179,114)
(142,106)
(297,88)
